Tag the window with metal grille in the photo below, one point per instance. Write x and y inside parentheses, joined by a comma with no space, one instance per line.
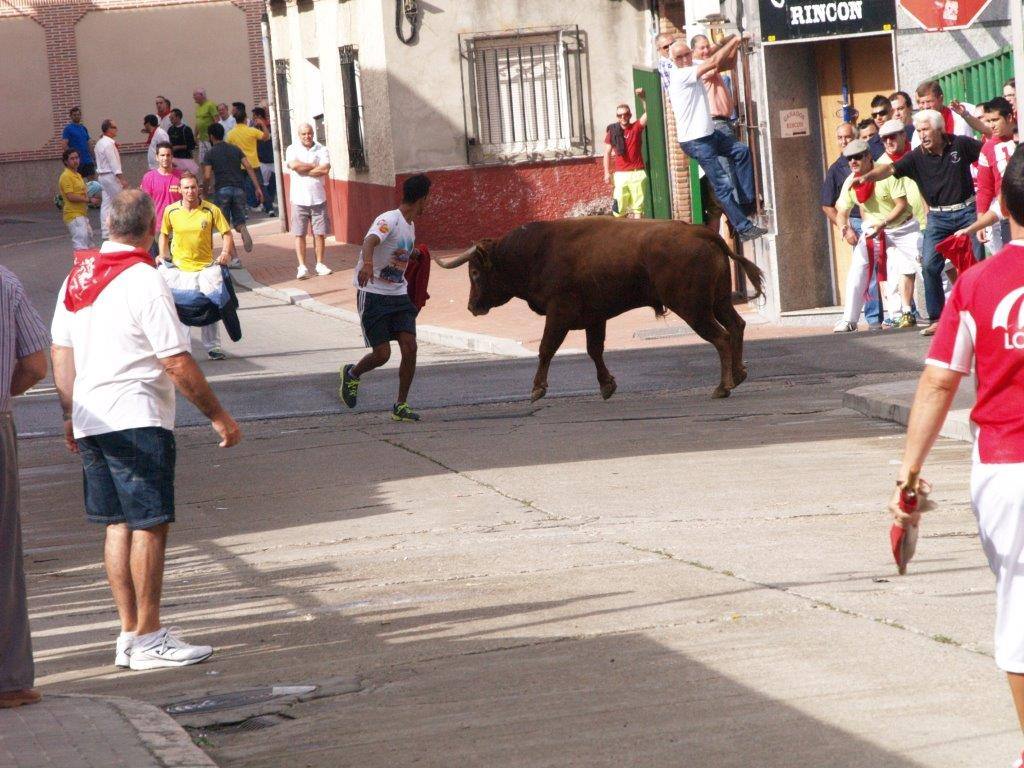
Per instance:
(525,95)
(283,103)
(353,103)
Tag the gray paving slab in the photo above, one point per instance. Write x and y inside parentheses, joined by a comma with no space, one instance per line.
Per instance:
(84,731)
(891,401)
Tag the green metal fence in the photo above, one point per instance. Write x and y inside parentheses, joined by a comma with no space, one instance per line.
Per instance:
(980,80)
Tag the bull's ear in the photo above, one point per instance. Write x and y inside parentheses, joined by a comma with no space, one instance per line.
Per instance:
(484,249)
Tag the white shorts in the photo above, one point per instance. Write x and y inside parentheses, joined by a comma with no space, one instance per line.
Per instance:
(997,496)
(80,230)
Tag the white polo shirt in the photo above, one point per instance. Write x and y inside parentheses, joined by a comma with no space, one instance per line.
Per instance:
(689,104)
(118,342)
(108,159)
(307,190)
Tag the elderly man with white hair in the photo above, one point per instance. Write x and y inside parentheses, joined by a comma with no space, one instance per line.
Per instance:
(941,166)
(206,115)
(309,163)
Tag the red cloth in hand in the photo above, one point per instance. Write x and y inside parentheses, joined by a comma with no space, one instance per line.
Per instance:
(417,275)
(864,191)
(947,117)
(957,248)
(879,254)
(93,271)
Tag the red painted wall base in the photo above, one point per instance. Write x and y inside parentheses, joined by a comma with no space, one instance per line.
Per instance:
(467,204)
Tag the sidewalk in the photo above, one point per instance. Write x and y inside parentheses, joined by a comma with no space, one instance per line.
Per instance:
(75,731)
(511,329)
(891,401)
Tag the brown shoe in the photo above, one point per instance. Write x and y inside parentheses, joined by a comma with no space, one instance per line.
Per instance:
(929,330)
(9,699)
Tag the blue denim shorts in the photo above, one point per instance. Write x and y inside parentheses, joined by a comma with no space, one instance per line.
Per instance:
(231,201)
(129,477)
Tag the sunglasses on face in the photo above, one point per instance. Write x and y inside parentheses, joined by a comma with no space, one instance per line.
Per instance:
(623,114)
(861,156)
(883,113)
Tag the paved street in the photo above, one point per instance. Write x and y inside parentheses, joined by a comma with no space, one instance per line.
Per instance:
(657,580)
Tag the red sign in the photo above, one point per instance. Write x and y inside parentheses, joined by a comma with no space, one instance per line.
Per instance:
(937,15)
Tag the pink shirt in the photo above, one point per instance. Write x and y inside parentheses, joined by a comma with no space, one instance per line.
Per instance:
(163,189)
(719,98)
(983,323)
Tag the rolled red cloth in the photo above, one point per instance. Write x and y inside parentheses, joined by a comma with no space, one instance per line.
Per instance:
(957,248)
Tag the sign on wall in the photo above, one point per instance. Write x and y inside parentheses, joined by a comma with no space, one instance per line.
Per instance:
(794,123)
(786,20)
(944,14)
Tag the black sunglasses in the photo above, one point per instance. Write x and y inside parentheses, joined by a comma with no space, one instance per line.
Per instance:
(880,114)
(623,114)
(861,156)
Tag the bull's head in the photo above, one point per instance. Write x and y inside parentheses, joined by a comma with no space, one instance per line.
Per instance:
(487,287)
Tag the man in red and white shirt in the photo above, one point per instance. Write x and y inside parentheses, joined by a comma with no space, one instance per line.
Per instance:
(624,141)
(995,155)
(983,324)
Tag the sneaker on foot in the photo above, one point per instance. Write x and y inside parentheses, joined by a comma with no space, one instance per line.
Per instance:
(844,326)
(752,234)
(906,320)
(322,269)
(11,699)
(167,650)
(402,412)
(217,354)
(349,389)
(302,273)
(246,238)
(235,263)
(123,650)
(929,330)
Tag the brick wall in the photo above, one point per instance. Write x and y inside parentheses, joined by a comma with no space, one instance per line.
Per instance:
(58,19)
(671,19)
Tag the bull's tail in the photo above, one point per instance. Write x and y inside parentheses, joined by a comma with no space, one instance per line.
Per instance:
(753,272)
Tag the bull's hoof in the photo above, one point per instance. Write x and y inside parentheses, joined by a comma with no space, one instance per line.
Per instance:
(608,389)
(741,376)
(720,392)
(538,393)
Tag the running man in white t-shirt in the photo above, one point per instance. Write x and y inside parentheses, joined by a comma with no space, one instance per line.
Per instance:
(385,310)
(983,325)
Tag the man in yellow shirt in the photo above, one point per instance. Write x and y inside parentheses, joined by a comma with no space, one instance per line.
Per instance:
(76,200)
(890,233)
(191,222)
(245,138)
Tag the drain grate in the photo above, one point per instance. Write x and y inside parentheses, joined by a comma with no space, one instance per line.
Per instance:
(7,220)
(257,723)
(236,699)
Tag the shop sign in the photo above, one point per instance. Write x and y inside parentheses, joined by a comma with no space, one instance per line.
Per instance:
(785,20)
(793,123)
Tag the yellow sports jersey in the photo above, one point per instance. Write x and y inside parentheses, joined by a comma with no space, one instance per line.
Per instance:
(192,233)
(72,181)
(245,138)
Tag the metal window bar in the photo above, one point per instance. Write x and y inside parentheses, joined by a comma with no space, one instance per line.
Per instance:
(524,96)
(353,107)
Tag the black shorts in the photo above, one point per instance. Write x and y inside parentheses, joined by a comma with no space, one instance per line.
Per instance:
(384,316)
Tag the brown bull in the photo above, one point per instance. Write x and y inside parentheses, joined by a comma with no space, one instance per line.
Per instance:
(578,273)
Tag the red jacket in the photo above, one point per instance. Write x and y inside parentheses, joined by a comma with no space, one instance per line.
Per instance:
(417,275)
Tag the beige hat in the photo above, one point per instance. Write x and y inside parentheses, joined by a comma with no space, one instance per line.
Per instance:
(889,128)
(855,147)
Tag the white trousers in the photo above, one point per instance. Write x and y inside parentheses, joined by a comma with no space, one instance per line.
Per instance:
(997,496)
(902,258)
(81,233)
(111,188)
(209,334)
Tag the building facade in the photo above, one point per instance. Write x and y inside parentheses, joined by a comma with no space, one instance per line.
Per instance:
(113,58)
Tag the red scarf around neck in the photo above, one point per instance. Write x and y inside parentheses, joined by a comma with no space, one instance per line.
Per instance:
(864,191)
(93,271)
(947,116)
(894,156)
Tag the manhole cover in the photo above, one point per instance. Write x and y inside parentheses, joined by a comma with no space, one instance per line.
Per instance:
(236,699)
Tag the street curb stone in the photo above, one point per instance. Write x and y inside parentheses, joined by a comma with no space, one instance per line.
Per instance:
(445,337)
(892,401)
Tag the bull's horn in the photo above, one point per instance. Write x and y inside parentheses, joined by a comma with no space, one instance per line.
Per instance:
(455,261)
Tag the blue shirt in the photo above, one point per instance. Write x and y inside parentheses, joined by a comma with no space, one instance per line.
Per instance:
(77,137)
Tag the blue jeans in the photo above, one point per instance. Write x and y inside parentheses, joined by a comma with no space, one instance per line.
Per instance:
(250,190)
(941,224)
(231,201)
(706,151)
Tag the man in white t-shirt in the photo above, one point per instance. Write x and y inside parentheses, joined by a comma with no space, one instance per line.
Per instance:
(157,135)
(958,116)
(118,352)
(695,131)
(385,310)
(309,163)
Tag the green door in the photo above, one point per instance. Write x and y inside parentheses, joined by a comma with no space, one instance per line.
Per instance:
(658,204)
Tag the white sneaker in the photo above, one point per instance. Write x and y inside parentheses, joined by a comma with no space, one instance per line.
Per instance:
(844,326)
(167,650)
(302,274)
(123,651)
(246,238)
(322,269)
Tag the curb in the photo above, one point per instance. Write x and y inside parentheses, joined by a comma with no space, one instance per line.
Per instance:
(445,337)
(892,401)
(165,740)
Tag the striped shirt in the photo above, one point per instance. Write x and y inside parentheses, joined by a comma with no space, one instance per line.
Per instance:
(22,332)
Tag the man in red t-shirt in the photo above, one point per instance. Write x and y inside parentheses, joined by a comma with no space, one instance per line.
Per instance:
(623,140)
(983,324)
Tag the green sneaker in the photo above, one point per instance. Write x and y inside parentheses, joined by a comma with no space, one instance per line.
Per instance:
(402,412)
(349,389)
(906,320)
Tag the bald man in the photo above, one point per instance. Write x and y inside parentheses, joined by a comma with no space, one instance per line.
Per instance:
(206,115)
(309,163)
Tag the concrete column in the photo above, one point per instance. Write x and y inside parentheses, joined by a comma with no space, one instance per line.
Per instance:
(671,19)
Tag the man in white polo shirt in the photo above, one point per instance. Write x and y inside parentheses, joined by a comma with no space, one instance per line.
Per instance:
(108,171)
(310,164)
(118,352)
